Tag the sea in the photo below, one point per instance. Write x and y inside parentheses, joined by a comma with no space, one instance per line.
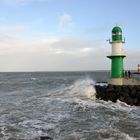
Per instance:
(62,106)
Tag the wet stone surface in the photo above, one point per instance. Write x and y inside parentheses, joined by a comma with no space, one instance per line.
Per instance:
(128,94)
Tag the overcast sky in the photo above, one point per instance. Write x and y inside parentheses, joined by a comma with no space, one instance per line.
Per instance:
(65,35)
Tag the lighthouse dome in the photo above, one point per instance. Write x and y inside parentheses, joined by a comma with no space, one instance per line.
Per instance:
(116,29)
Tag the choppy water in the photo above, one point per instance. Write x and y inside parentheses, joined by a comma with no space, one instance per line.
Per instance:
(62,106)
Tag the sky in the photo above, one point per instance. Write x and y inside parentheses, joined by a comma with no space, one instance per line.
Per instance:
(66,35)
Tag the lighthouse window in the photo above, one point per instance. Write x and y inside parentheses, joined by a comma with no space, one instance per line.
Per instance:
(118,33)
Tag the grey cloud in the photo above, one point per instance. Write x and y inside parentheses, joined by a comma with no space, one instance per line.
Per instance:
(38,55)
(60,54)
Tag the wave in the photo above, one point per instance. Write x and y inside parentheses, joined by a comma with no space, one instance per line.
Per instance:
(83,89)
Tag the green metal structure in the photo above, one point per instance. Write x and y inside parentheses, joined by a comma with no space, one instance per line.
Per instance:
(117,70)
(116,34)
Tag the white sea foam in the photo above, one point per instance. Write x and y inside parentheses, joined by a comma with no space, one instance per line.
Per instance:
(33,78)
(64,111)
(113,134)
(84,88)
(81,89)
(81,96)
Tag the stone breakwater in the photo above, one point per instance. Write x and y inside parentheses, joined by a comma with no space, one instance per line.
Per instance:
(129,94)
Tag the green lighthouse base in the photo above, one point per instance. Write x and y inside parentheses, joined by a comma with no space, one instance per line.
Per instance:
(123,81)
(117,66)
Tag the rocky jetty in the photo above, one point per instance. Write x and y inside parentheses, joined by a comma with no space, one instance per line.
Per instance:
(129,94)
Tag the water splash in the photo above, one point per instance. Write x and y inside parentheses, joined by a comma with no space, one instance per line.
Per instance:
(84,89)
(113,134)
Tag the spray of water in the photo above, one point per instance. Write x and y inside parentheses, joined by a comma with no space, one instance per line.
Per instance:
(84,89)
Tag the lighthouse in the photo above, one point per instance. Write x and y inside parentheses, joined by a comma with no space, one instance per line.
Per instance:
(117,56)
(119,83)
